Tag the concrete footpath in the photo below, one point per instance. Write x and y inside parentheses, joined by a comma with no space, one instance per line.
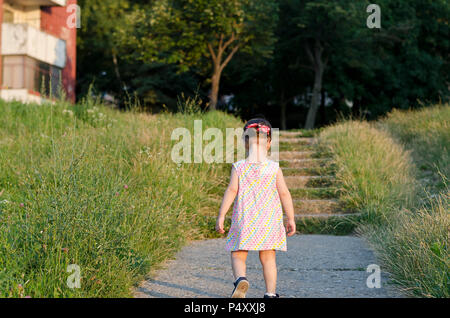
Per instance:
(313,266)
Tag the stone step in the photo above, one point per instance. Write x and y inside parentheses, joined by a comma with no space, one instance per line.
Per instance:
(289,155)
(305,163)
(307,154)
(299,133)
(307,171)
(301,140)
(292,134)
(308,181)
(296,146)
(317,206)
(314,193)
(324,215)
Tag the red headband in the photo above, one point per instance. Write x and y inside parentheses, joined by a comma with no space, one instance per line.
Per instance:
(260,127)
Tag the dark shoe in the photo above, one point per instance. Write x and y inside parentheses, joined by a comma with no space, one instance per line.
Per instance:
(271,296)
(240,288)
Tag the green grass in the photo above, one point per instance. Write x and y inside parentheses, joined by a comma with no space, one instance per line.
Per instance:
(295,146)
(380,168)
(314,193)
(90,186)
(374,172)
(334,225)
(413,246)
(309,171)
(426,133)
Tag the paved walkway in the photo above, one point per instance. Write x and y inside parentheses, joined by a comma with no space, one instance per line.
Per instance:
(314,266)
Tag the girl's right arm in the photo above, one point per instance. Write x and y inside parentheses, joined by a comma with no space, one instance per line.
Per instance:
(228,198)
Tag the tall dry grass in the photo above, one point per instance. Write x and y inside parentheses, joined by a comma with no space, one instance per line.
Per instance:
(375,173)
(395,172)
(413,246)
(426,133)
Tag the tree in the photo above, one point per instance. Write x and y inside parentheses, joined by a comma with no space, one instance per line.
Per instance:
(160,48)
(97,51)
(413,65)
(191,33)
(401,65)
(109,64)
(322,27)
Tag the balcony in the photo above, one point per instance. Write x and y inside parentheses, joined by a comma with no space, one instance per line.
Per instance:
(22,39)
(61,3)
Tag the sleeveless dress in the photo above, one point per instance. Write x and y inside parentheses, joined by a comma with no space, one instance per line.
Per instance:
(257,221)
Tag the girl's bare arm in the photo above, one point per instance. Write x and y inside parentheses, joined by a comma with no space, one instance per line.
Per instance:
(228,198)
(286,201)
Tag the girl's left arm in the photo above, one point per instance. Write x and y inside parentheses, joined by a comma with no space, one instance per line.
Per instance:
(228,198)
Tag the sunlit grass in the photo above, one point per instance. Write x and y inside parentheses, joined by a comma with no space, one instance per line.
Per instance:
(405,215)
(427,133)
(413,246)
(375,173)
(91,186)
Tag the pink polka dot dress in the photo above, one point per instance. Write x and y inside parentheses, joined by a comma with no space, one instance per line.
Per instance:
(257,221)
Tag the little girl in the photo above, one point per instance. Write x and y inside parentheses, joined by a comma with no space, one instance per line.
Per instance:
(257,221)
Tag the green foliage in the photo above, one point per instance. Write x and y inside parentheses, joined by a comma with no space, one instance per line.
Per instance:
(179,31)
(161,49)
(391,67)
(96,46)
(377,69)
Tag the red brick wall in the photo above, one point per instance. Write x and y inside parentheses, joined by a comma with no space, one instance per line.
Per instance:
(1,59)
(54,21)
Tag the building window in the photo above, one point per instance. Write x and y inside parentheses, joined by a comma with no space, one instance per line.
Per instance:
(8,16)
(23,72)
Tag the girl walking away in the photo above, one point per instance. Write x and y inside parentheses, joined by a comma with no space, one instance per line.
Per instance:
(259,192)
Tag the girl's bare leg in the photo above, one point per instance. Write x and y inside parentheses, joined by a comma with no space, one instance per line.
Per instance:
(238,259)
(268,262)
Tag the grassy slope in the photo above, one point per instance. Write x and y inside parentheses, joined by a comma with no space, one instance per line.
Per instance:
(426,133)
(94,187)
(407,225)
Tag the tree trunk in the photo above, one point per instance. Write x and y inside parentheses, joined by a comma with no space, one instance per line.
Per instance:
(319,67)
(116,70)
(218,66)
(214,95)
(312,112)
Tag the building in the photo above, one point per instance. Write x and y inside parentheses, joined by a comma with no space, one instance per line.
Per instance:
(38,49)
